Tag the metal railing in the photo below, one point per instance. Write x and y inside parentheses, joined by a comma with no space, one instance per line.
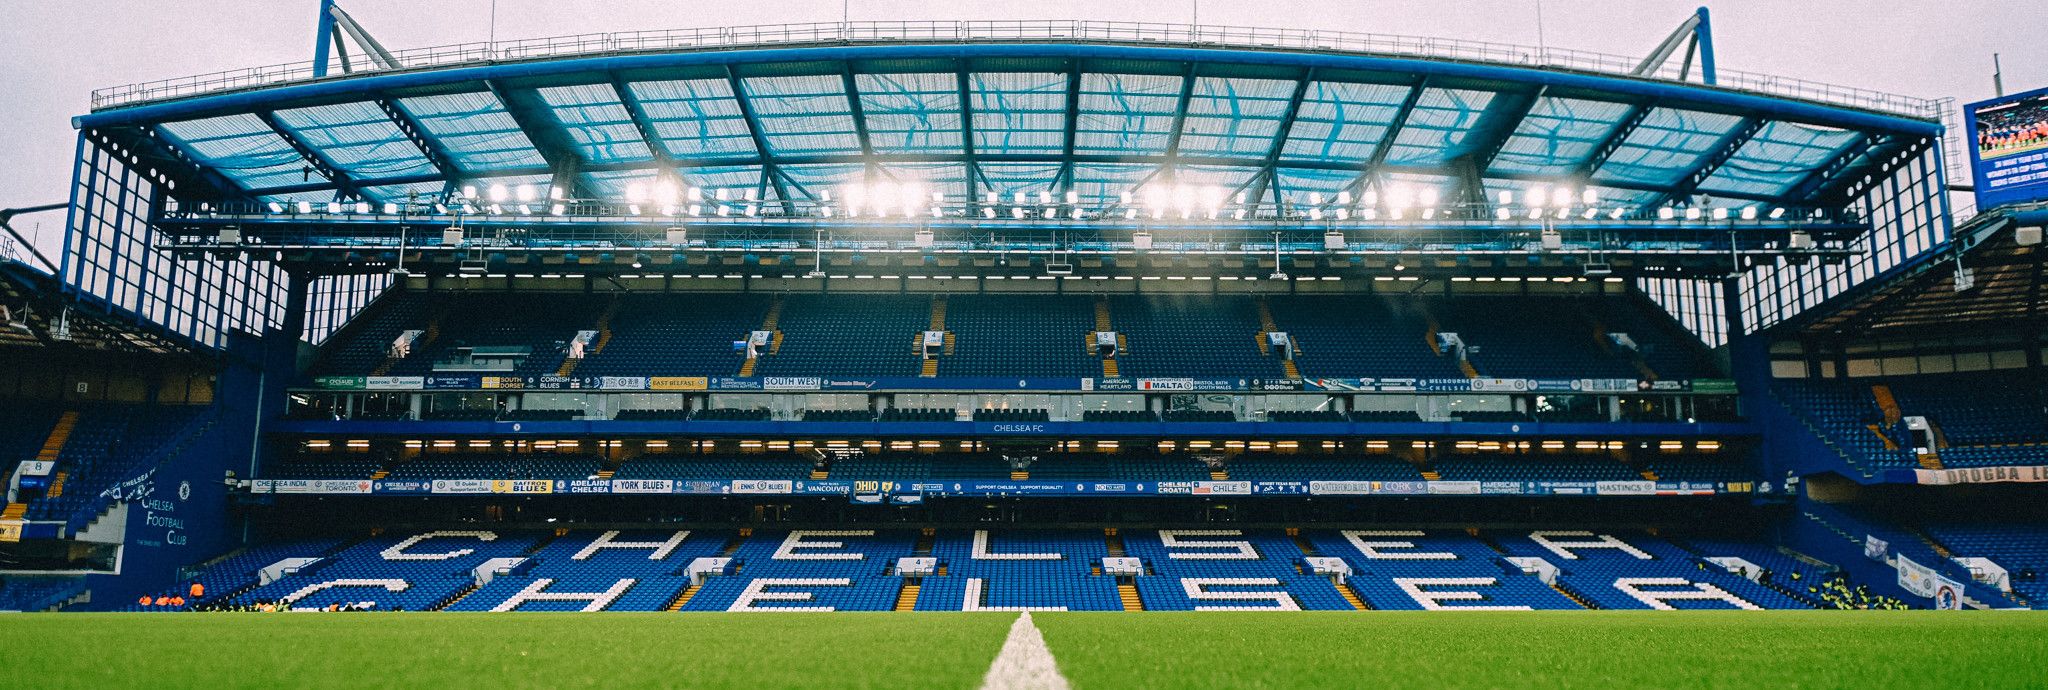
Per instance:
(835,33)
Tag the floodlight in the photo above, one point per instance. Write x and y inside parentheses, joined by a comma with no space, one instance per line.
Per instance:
(525,210)
(1536,196)
(1507,199)
(499,194)
(1428,196)
(363,208)
(1777,213)
(276,207)
(1749,213)
(334,207)
(636,192)
(1502,213)
(527,193)
(724,194)
(1315,198)
(469,191)
(988,212)
(1666,213)
(1044,197)
(1073,197)
(390,208)
(1721,214)
(1343,198)
(555,193)
(1589,197)
(1692,213)
(558,209)
(696,193)
(1561,196)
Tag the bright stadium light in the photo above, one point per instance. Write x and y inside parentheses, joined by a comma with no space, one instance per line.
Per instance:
(724,194)
(1044,198)
(1535,213)
(1343,198)
(636,192)
(526,193)
(556,194)
(558,209)
(1399,197)
(500,194)
(988,212)
(1502,213)
(1428,196)
(362,208)
(525,209)
(1721,213)
(1777,213)
(696,193)
(1315,198)
(1536,196)
(276,207)
(1561,197)
(1589,197)
(469,192)
(1692,213)
(1749,213)
(334,207)
(1370,197)
(1616,213)
(390,209)
(1507,198)
(1073,197)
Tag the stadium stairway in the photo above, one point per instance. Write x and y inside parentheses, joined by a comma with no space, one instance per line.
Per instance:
(604,336)
(769,323)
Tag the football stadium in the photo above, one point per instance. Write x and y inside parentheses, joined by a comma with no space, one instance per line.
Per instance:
(1028,354)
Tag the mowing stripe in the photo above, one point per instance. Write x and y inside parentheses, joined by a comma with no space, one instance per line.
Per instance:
(1025,663)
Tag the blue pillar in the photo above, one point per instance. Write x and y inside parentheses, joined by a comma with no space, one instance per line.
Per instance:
(323,37)
(1705,33)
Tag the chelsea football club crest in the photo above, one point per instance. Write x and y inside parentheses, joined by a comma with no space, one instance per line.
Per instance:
(185,491)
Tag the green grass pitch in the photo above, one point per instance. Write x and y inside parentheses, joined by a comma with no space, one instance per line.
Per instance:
(1094,650)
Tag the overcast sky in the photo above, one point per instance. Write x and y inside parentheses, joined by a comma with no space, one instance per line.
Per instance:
(59,51)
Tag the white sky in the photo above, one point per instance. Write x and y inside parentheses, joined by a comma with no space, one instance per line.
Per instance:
(61,50)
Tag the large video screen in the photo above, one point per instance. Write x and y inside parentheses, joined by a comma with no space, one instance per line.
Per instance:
(2009,149)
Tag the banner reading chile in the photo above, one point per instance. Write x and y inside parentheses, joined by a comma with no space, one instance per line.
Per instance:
(2008,142)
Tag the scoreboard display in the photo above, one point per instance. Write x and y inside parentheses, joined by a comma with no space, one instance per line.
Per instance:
(2009,148)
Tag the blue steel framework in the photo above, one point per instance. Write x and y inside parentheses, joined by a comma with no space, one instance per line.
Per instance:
(1004,119)
(113,260)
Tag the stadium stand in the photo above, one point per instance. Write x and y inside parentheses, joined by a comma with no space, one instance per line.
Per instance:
(1001,569)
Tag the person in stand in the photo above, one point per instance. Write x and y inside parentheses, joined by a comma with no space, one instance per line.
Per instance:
(197,590)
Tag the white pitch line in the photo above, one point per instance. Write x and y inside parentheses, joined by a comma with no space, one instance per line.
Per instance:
(1025,663)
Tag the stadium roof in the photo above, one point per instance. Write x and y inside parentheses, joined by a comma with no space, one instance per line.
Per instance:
(970,109)
(1920,298)
(39,315)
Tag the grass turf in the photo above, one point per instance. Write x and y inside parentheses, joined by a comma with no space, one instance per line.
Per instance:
(1106,650)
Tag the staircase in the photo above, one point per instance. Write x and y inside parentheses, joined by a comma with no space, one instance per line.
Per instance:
(427,337)
(1109,369)
(1128,593)
(929,368)
(57,483)
(450,601)
(1351,596)
(14,511)
(817,474)
(1885,401)
(1114,542)
(1266,325)
(604,336)
(1574,596)
(769,322)
(682,598)
(906,598)
(53,445)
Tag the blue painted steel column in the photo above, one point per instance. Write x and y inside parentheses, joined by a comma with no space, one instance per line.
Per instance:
(324,35)
(1705,33)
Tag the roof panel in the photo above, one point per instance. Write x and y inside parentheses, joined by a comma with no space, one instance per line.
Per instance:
(244,149)
(1006,179)
(475,130)
(949,179)
(814,179)
(695,118)
(808,115)
(1437,126)
(1666,147)
(911,113)
(1778,158)
(1230,117)
(1295,184)
(1103,184)
(1558,136)
(1342,121)
(598,122)
(358,138)
(1126,114)
(1016,112)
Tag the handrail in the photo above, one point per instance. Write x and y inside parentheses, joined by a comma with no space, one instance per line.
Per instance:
(1151,33)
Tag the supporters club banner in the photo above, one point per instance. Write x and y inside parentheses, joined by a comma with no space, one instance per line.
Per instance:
(1156,385)
(784,487)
